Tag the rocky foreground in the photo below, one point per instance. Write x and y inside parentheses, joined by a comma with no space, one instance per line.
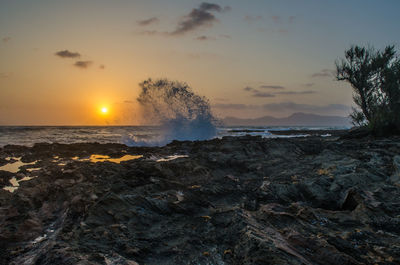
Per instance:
(243,200)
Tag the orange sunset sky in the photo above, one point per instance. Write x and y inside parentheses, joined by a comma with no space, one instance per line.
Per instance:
(61,62)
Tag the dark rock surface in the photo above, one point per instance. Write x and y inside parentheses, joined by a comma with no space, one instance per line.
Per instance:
(236,200)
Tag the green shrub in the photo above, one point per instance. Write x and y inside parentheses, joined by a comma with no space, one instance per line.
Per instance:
(375,78)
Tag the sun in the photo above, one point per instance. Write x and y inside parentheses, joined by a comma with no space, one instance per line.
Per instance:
(104,110)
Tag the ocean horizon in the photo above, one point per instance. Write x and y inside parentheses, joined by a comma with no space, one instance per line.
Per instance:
(29,135)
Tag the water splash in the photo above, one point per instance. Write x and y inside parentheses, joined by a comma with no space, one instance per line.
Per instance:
(180,113)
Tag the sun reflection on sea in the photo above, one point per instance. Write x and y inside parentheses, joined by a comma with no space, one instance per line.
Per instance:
(103,158)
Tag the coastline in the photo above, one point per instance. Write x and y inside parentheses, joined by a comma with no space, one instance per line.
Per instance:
(235,200)
(144,135)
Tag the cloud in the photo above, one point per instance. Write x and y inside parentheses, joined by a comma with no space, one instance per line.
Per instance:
(5,75)
(153,32)
(251,89)
(252,19)
(236,106)
(67,54)
(83,64)
(203,38)
(258,94)
(6,39)
(225,36)
(199,17)
(272,87)
(149,21)
(129,102)
(291,106)
(227,9)
(276,19)
(280,20)
(204,56)
(295,92)
(102,66)
(287,106)
(221,99)
(324,73)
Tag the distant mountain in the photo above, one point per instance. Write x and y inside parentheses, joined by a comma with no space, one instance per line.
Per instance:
(296,119)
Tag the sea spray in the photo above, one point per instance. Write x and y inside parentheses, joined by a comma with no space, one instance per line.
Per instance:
(180,113)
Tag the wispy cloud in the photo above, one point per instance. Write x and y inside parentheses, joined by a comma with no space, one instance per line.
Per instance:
(149,21)
(271,87)
(204,56)
(276,90)
(221,99)
(204,38)
(305,92)
(281,20)
(280,24)
(153,33)
(236,106)
(258,94)
(199,17)
(225,36)
(6,39)
(5,75)
(276,19)
(83,64)
(324,73)
(291,106)
(287,106)
(252,19)
(68,54)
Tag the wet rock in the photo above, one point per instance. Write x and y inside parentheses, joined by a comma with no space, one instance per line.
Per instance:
(396,174)
(236,200)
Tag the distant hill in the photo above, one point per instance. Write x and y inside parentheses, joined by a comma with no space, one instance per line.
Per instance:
(296,119)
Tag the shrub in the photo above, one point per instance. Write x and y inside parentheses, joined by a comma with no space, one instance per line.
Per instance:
(375,78)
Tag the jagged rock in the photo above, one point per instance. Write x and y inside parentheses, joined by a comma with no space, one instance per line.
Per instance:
(236,200)
(396,174)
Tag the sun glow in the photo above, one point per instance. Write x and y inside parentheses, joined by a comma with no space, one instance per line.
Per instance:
(104,110)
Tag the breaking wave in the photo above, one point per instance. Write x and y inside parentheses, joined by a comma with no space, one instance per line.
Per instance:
(180,113)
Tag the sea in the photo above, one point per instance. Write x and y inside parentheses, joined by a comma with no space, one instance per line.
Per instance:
(29,135)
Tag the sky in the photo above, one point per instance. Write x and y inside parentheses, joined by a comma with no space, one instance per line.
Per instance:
(62,61)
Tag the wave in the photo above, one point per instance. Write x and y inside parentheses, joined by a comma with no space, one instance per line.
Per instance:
(181,114)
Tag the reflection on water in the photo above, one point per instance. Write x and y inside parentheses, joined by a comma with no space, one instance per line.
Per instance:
(169,158)
(14,167)
(15,183)
(33,169)
(103,158)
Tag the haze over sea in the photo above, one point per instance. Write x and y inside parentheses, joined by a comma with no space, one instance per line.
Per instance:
(29,135)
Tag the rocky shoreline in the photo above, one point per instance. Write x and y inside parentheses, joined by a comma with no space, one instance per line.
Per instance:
(236,200)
